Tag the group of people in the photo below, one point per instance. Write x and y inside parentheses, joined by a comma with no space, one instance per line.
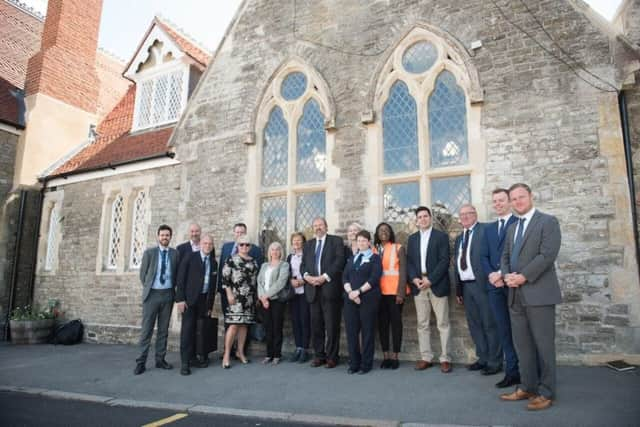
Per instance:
(503,271)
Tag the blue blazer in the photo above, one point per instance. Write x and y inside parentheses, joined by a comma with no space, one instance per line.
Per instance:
(493,246)
(437,262)
(369,272)
(225,253)
(475,252)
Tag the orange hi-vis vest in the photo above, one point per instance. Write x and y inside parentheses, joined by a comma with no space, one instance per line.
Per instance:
(390,269)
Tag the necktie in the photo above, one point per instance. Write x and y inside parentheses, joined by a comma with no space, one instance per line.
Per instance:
(163,265)
(318,254)
(205,265)
(501,228)
(357,262)
(465,244)
(517,246)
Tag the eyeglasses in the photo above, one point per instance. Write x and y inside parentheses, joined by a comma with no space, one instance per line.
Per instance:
(244,244)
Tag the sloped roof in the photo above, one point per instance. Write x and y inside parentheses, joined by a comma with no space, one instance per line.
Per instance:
(115,143)
(187,45)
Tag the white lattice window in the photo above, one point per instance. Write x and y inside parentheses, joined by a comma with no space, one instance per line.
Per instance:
(160,99)
(115,232)
(52,238)
(138,229)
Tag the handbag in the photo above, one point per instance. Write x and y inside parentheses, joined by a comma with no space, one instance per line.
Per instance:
(206,335)
(286,293)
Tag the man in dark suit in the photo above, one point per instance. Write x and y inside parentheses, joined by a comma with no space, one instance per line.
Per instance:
(322,265)
(195,294)
(428,274)
(472,293)
(528,268)
(229,249)
(192,245)
(496,290)
(158,274)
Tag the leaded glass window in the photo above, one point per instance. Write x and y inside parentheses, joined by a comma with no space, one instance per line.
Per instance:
(451,192)
(400,130)
(115,233)
(159,99)
(138,229)
(273,220)
(419,57)
(308,207)
(294,86)
(447,122)
(275,150)
(52,238)
(400,203)
(311,157)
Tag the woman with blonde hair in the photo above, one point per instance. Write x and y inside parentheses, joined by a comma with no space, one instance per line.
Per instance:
(274,291)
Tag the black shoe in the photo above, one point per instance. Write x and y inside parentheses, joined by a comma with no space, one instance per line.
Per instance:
(140,368)
(199,362)
(364,371)
(491,370)
(296,355)
(386,364)
(185,370)
(476,366)
(508,381)
(162,364)
(352,371)
(304,357)
(395,363)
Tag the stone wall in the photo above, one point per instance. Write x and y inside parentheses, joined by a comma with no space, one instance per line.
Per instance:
(540,123)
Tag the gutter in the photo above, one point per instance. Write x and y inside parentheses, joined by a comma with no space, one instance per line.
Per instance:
(628,155)
(113,166)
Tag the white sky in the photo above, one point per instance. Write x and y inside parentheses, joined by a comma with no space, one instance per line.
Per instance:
(125,21)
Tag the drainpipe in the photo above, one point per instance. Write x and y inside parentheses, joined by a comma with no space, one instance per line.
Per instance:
(626,137)
(36,240)
(16,259)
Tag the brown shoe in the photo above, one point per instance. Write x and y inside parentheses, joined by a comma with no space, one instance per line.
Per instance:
(317,362)
(421,365)
(331,364)
(517,395)
(445,367)
(539,403)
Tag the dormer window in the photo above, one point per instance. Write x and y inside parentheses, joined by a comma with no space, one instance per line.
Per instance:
(162,81)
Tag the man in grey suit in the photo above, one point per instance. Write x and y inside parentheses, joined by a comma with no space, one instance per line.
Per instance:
(472,293)
(158,272)
(531,247)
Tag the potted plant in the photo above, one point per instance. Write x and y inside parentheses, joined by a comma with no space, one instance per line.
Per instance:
(30,325)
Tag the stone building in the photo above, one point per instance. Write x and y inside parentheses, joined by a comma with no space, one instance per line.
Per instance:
(361,113)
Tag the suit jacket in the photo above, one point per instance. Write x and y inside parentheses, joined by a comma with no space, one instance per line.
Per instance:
(191,279)
(437,262)
(279,279)
(149,266)
(491,253)
(475,254)
(331,264)
(536,261)
(225,253)
(368,272)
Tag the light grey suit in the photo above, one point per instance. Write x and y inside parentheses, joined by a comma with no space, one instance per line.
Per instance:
(532,305)
(156,304)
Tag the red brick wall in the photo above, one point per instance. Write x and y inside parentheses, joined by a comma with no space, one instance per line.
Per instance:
(65,66)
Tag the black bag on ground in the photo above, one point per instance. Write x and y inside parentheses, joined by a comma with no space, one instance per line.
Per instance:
(206,335)
(68,333)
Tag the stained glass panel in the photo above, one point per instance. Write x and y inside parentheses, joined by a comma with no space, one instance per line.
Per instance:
(293,86)
(275,152)
(273,220)
(419,57)
(451,193)
(400,130)
(308,207)
(311,145)
(447,122)
(138,230)
(114,232)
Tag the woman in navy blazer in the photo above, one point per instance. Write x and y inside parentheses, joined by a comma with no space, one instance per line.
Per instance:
(361,280)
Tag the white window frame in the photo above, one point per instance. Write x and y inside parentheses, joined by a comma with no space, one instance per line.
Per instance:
(139,228)
(48,253)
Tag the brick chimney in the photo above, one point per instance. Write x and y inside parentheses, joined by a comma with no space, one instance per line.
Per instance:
(64,68)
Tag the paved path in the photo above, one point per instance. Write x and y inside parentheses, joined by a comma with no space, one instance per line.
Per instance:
(587,396)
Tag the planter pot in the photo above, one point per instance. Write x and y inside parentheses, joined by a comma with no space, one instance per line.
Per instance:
(31,331)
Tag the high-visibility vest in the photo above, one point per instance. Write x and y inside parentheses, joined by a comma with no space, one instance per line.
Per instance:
(390,269)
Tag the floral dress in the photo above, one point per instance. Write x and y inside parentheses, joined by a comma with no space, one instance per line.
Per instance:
(239,275)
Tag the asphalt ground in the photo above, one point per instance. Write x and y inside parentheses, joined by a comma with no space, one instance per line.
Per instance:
(587,396)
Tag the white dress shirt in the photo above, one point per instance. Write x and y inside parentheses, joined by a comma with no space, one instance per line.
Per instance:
(468,273)
(527,218)
(424,244)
